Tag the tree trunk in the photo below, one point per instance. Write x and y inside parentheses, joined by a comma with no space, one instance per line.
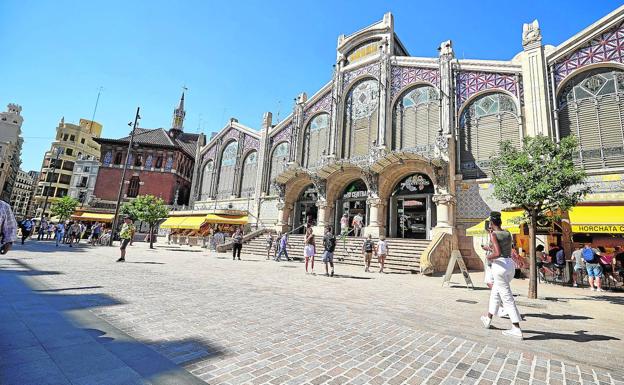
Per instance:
(532,262)
(151,236)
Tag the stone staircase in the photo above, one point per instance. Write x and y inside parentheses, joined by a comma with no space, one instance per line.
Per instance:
(404,256)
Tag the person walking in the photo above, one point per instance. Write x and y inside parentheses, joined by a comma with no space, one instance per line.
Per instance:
(502,271)
(329,245)
(283,248)
(591,257)
(8,228)
(357,225)
(26,226)
(367,252)
(43,226)
(269,245)
(309,249)
(382,252)
(344,225)
(50,230)
(237,244)
(127,229)
(74,233)
(577,258)
(96,231)
(59,234)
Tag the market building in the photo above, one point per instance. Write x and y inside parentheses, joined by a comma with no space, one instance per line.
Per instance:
(405,141)
(161,163)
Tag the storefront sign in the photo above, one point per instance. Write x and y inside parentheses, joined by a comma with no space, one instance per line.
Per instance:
(603,229)
(355,194)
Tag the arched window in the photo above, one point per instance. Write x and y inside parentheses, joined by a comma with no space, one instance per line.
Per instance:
(484,123)
(133,187)
(591,106)
(279,161)
(416,120)
(225,182)
(360,118)
(206,190)
(248,179)
(315,140)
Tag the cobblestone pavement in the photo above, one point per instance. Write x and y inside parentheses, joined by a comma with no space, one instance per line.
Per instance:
(261,322)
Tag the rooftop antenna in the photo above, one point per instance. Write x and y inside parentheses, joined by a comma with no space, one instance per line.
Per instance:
(97,101)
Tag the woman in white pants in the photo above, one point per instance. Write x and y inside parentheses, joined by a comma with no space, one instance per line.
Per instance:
(503,270)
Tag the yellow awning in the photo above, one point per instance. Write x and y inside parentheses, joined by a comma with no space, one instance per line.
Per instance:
(510,224)
(192,223)
(172,222)
(100,217)
(597,219)
(227,219)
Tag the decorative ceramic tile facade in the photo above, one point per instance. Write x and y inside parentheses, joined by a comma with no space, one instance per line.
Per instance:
(231,134)
(284,134)
(475,201)
(323,104)
(372,69)
(149,161)
(608,46)
(403,76)
(251,143)
(169,164)
(471,82)
(210,154)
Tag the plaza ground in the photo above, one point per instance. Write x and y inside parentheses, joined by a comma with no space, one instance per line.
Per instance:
(180,315)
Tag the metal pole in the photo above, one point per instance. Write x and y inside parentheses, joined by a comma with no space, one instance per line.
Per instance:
(123,177)
(45,203)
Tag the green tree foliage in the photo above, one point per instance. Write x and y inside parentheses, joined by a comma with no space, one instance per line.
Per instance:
(64,207)
(540,178)
(146,208)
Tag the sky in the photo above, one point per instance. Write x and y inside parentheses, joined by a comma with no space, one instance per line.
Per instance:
(237,58)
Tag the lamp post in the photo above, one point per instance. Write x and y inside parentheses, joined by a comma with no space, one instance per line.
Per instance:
(59,151)
(123,177)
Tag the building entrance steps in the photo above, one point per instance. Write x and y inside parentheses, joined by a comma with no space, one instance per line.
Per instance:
(404,256)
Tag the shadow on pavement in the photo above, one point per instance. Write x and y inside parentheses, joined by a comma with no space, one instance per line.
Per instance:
(147,263)
(54,339)
(558,316)
(578,336)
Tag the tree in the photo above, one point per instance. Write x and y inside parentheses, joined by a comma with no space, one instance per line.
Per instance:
(542,179)
(63,208)
(146,208)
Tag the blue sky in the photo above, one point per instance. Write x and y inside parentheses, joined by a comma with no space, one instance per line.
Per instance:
(237,58)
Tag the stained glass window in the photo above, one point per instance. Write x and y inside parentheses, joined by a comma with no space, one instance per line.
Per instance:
(416,120)
(248,179)
(225,184)
(488,120)
(315,140)
(361,115)
(590,108)
(279,162)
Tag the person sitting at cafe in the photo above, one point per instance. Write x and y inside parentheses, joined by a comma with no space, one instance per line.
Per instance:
(542,262)
(618,264)
(560,262)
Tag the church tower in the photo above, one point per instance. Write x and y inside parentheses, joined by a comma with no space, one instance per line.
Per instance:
(177,125)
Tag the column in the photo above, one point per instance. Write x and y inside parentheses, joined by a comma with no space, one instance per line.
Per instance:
(444,209)
(373,228)
(384,95)
(283,214)
(322,220)
(535,83)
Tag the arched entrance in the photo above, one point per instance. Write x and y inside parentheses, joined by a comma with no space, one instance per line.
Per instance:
(306,212)
(411,211)
(352,202)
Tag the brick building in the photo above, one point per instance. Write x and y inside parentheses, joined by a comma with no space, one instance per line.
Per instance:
(161,163)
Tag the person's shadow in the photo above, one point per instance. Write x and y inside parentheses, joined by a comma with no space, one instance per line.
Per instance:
(577,336)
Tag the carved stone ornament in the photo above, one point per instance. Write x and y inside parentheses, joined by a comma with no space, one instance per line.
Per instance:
(280,189)
(442,143)
(371,179)
(440,169)
(531,33)
(446,50)
(444,199)
(320,185)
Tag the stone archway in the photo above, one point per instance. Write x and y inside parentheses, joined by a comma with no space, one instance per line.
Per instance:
(292,189)
(336,182)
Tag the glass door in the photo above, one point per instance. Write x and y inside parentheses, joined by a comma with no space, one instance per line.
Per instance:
(412,216)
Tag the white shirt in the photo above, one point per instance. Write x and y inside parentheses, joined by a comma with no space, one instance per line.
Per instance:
(382,247)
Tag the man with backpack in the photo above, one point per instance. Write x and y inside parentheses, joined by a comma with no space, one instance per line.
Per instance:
(367,252)
(329,245)
(591,257)
(27,226)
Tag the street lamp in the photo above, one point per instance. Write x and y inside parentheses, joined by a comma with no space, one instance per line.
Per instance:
(123,176)
(59,151)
